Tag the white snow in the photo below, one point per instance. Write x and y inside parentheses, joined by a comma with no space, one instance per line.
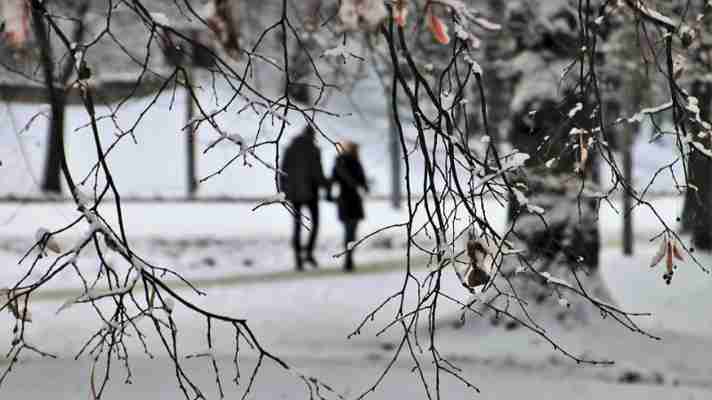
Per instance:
(305,318)
(344,50)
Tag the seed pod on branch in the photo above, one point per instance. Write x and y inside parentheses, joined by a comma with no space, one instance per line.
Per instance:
(480,266)
(15,305)
(668,250)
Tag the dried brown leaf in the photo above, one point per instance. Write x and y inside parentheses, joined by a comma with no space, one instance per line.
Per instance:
(659,255)
(676,252)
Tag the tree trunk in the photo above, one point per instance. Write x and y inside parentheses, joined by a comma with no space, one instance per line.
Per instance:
(52,175)
(638,89)
(499,91)
(191,169)
(697,215)
(627,195)
(394,150)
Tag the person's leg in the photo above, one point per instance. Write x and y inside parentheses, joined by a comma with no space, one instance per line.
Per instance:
(349,239)
(314,213)
(296,235)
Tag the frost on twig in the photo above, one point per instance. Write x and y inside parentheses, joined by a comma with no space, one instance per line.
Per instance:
(47,241)
(278,198)
(344,50)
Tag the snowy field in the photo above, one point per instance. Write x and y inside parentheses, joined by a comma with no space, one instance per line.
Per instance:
(215,240)
(309,324)
(219,244)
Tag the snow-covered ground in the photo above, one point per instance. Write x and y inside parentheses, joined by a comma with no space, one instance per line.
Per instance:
(308,327)
(215,240)
(314,313)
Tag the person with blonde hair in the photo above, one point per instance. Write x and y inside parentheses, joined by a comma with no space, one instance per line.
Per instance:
(348,174)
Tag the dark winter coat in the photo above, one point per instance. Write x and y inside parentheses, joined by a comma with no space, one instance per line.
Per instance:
(348,174)
(304,174)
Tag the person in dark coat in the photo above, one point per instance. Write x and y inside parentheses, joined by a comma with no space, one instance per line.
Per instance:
(302,178)
(348,174)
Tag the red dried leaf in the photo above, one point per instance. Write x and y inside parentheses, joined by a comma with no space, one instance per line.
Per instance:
(400,14)
(438,28)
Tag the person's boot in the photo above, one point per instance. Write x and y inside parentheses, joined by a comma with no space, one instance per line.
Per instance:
(349,263)
(299,266)
(310,259)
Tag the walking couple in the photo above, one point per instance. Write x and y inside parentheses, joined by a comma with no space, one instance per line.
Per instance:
(301,180)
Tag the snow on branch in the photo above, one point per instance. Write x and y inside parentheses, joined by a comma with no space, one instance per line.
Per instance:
(649,111)
(92,295)
(652,15)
